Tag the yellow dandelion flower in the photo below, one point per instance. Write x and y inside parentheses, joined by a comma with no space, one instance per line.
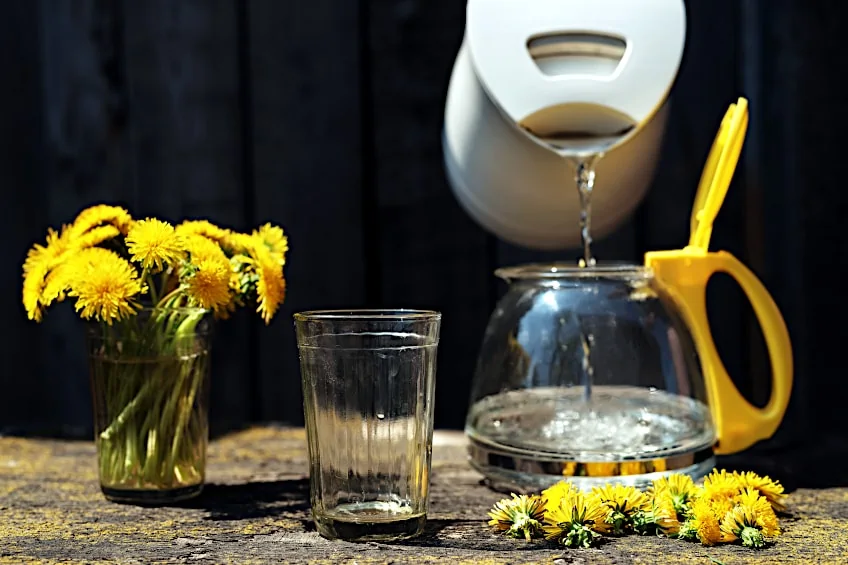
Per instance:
(97,216)
(601,469)
(155,244)
(40,260)
(57,284)
(209,283)
(772,490)
(721,484)
(242,243)
(666,516)
(199,247)
(275,240)
(96,236)
(520,517)
(206,229)
(679,488)
(677,484)
(578,520)
(720,490)
(33,289)
(39,255)
(743,524)
(554,493)
(271,287)
(624,502)
(703,524)
(104,284)
(762,509)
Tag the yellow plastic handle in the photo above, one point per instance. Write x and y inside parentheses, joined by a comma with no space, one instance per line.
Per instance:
(685,274)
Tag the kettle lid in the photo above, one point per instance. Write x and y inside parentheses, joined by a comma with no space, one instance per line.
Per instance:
(618,55)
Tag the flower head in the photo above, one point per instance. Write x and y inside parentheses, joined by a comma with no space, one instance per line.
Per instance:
(41,286)
(762,509)
(702,524)
(721,484)
(33,288)
(771,490)
(96,236)
(667,518)
(271,286)
(223,237)
(520,517)
(554,493)
(155,244)
(275,240)
(750,522)
(209,283)
(104,284)
(624,502)
(102,214)
(720,490)
(578,520)
(678,488)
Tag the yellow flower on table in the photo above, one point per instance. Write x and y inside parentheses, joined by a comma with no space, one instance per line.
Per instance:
(519,517)
(771,490)
(577,521)
(703,524)
(624,503)
(155,244)
(554,493)
(751,521)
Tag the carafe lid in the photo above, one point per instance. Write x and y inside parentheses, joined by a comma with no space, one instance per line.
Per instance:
(718,172)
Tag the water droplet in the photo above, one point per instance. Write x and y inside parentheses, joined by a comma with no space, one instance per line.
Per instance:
(381,416)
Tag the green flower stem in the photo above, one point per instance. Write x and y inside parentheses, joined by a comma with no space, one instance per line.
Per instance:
(129,410)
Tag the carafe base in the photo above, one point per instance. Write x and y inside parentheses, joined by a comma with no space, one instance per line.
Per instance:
(525,474)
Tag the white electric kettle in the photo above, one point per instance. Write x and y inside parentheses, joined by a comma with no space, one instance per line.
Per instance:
(567,68)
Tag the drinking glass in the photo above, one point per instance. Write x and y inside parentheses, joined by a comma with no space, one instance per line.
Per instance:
(368,384)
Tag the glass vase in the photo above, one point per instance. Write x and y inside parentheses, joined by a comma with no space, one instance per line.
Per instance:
(150,386)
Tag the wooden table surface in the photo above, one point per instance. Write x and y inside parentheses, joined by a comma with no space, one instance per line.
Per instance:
(255,509)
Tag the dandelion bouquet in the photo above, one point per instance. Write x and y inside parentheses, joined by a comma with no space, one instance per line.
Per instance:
(150,288)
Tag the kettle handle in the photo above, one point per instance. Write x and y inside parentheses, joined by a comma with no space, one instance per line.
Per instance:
(738,424)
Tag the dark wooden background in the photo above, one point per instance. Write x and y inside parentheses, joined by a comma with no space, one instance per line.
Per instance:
(325,117)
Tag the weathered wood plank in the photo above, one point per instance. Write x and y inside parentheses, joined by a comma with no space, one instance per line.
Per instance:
(769,67)
(431,254)
(304,80)
(81,113)
(255,508)
(814,121)
(184,129)
(24,375)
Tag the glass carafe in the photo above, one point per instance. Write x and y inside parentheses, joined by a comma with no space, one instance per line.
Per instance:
(610,373)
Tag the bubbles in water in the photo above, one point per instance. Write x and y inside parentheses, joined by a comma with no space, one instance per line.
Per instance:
(619,422)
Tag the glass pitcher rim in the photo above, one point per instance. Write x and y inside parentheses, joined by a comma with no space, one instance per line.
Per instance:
(560,271)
